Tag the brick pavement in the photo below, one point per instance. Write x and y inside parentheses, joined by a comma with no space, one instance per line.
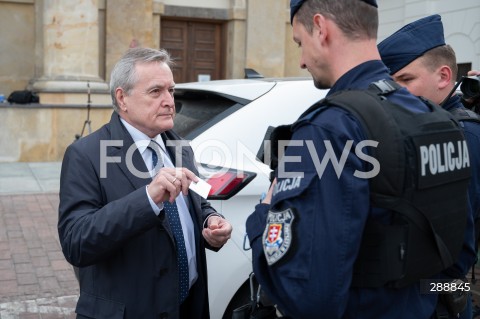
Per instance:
(35,280)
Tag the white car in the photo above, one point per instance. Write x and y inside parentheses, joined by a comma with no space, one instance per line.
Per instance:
(226,122)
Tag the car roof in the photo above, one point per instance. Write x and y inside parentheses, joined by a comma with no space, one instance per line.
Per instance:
(236,87)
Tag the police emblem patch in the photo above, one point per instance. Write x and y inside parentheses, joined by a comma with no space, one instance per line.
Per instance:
(277,237)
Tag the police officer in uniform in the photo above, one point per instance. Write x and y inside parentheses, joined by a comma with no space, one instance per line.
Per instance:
(419,59)
(306,233)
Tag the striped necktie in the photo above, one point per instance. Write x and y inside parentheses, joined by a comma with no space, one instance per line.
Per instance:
(174,220)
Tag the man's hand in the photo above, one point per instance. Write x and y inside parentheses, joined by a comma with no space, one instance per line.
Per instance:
(218,231)
(169,182)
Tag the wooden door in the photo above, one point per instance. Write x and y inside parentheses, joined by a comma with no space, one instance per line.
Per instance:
(196,48)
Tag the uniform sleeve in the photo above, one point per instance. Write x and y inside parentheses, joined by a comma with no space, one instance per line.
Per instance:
(310,276)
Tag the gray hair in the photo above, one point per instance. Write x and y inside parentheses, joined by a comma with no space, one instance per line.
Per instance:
(123,74)
(356,19)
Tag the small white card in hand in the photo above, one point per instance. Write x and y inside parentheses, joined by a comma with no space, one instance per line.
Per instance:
(201,187)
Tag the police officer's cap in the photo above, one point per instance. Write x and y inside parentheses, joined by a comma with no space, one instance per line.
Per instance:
(411,42)
(296,4)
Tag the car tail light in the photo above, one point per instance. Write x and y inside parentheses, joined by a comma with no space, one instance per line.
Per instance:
(225,182)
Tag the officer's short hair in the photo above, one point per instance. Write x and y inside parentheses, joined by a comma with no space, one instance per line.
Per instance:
(442,55)
(356,19)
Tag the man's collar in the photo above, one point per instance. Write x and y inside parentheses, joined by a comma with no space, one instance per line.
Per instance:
(141,139)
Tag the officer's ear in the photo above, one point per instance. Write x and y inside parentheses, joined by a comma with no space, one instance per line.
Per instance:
(319,25)
(445,76)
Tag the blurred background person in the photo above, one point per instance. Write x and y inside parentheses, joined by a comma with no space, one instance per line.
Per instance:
(420,60)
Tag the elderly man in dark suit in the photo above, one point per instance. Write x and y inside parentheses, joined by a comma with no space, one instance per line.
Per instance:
(126,216)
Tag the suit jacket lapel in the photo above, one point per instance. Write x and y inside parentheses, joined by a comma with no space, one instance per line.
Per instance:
(131,160)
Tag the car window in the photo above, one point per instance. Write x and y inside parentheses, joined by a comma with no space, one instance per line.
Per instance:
(196,111)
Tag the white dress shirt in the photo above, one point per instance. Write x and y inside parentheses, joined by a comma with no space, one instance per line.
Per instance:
(142,141)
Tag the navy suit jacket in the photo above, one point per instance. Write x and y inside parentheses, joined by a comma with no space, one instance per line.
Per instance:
(125,253)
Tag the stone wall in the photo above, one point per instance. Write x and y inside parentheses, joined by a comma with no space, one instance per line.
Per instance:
(17,45)
(41,133)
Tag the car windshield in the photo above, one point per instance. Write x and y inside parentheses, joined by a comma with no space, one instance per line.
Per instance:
(199,110)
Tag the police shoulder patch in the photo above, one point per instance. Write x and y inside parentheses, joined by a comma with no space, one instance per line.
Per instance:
(277,237)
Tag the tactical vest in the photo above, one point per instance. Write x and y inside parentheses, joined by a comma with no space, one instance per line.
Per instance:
(423,179)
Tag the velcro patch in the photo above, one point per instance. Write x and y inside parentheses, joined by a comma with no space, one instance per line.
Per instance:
(277,237)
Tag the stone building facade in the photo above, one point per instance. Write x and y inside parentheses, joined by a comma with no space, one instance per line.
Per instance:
(54,47)
(65,50)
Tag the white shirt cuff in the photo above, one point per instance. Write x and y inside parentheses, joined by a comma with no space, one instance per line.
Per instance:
(157,208)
